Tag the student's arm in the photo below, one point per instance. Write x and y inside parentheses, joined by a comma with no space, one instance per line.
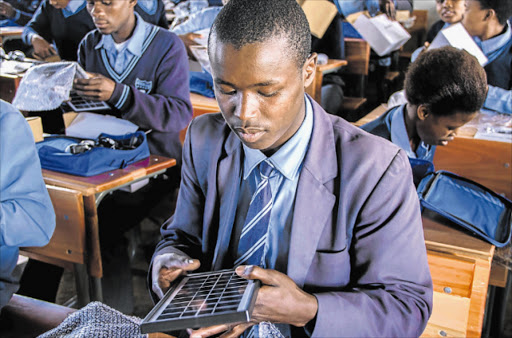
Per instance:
(347,7)
(168,108)
(26,212)
(390,294)
(18,16)
(37,32)
(499,100)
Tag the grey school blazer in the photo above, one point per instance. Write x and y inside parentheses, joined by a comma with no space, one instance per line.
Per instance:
(356,241)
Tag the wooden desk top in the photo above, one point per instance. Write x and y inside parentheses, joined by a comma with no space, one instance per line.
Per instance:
(441,237)
(111,179)
(203,103)
(11,31)
(332,64)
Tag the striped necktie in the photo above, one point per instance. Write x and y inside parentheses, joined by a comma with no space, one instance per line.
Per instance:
(253,239)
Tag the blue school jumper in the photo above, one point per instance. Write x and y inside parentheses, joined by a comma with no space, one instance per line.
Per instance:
(57,27)
(391,126)
(499,71)
(152,11)
(152,91)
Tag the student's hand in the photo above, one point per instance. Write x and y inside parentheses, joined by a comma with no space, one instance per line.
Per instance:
(96,88)
(388,7)
(6,9)
(167,267)
(42,48)
(188,40)
(279,300)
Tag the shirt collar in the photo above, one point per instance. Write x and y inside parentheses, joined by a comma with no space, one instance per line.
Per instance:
(400,137)
(73,7)
(135,42)
(289,157)
(495,43)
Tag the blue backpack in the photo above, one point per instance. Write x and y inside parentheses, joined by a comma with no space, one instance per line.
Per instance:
(466,203)
(92,157)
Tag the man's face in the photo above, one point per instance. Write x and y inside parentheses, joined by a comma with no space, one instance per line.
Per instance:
(260,91)
(439,130)
(59,4)
(474,18)
(110,16)
(450,11)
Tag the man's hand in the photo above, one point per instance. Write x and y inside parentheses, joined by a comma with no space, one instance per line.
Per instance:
(188,40)
(42,48)
(279,300)
(388,7)
(167,267)
(96,88)
(7,10)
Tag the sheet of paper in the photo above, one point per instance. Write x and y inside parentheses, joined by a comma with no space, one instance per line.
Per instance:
(90,126)
(457,36)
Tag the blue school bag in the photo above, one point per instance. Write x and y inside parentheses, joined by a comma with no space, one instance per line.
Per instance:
(468,204)
(55,153)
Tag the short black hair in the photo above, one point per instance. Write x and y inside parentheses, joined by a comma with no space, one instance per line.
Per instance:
(243,22)
(446,80)
(503,8)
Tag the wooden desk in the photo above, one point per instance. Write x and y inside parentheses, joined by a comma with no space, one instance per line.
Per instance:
(8,86)
(460,266)
(92,190)
(13,32)
(315,89)
(372,115)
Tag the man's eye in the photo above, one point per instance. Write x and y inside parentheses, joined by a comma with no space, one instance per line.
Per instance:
(227,92)
(265,94)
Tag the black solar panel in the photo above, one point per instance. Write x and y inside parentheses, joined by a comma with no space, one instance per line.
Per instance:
(79,104)
(201,300)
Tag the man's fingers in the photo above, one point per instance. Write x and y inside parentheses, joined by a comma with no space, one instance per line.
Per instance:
(255,272)
(236,331)
(209,331)
(192,264)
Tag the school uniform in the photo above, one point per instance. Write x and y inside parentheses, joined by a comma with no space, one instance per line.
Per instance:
(23,11)
(498,51)
(365,264)
(65,27)
(152,86)
(152,11)
(26,213)
(391,126)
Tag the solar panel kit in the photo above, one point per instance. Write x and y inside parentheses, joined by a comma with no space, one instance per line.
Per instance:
(202,300)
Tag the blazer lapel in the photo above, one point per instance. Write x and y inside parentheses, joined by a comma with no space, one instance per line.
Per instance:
(229,174)
(313,202)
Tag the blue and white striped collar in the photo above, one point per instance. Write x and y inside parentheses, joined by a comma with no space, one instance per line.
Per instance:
(288,159)
(73,7)
(136,41)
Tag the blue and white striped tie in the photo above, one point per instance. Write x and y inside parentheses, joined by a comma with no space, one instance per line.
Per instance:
(251,246)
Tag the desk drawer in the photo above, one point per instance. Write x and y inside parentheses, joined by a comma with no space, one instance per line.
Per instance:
(451,275)
(449,316)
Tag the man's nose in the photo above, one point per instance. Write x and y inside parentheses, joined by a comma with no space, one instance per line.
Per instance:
(246,107)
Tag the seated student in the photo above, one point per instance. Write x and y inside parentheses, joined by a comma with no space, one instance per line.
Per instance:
(17,12)
(65,23)
(486,21)
(141,71)
(450,12)
(26,212)
(445,88)
(331,259)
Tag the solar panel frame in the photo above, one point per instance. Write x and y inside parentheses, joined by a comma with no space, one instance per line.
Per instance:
(238,307)
(79,104)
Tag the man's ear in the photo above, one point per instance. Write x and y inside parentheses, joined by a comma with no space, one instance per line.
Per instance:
(133,3)
(309,69)
(422,112)
(489,14)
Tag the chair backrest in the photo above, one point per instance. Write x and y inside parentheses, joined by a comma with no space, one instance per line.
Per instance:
(68,243)
(357,54)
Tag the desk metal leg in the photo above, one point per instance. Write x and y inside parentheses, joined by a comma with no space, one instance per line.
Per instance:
(82,285)
(96,290)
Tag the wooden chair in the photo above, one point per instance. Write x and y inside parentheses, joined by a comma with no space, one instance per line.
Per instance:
(315,88)
(357,53)
(67,247)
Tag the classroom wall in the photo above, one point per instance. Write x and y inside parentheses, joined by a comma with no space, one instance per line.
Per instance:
(429,5)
